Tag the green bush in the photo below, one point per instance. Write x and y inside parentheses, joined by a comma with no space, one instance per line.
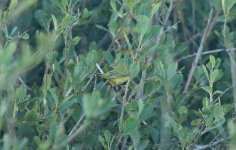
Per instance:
(117,74)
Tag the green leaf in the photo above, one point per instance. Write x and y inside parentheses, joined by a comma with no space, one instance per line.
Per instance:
(86,13)
(66,104)
(208,89)
(13,143)
(131,125)
(46,83)
(45,145)
(160,69)
(96,107)
(146,111)
(227,5)
(113,5)
(25,36)
(196,122)
(80,67)
(171,69)
(109,58)
(21,94)
(182,110)
(218,62)
(134,69)
(113,26)
(91,58)
(75,40)
(130,3)
(31,116)
(69,20)
(155,7)
(140,107)
(108,136)
(135,136)
(42,18)
(134,108)
(55,24)
(206,102)
(216,75)
(206,72)
(175,82)
(102,28)
(102,141)
(12,5)
(142,26)
(121,68)
(213,61)
(198,73)
(218,112)
(143,145)
(13,30)
(7,54)
(155,135)
(144,8)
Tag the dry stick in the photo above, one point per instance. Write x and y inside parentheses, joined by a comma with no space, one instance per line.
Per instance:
(83,115)
(77,125)
(210,145)
(1,34)
(202,128)
(210,23)
(233,74)
(186,32)
(123,108)
(123,104)
(22,82)
(205,53)
(123,147)
(87,84)
(77,132)
(232,63)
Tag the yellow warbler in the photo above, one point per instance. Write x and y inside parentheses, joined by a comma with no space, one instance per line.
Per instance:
(115,78)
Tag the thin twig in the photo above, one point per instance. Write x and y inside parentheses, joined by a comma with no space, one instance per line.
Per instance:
(77,125)
(201,129)
(69,92)
(205,53)
(232,59)
(210,145)
(123,107)
(84,87)
(77,132)
(123,147)
(221,94)
(99,68)
(209,26)
(22,82)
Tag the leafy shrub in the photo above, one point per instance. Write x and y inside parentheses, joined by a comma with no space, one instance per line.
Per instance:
(93,74)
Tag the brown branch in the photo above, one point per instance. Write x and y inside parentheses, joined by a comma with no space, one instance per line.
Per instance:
(206,53)
(209,26)
(123,110)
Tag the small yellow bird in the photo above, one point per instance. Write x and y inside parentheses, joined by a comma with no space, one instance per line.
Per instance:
(114,77)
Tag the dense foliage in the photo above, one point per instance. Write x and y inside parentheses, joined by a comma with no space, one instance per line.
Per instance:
(117,74)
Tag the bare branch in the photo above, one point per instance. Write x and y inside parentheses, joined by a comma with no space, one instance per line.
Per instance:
(206,53)
(209,26)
